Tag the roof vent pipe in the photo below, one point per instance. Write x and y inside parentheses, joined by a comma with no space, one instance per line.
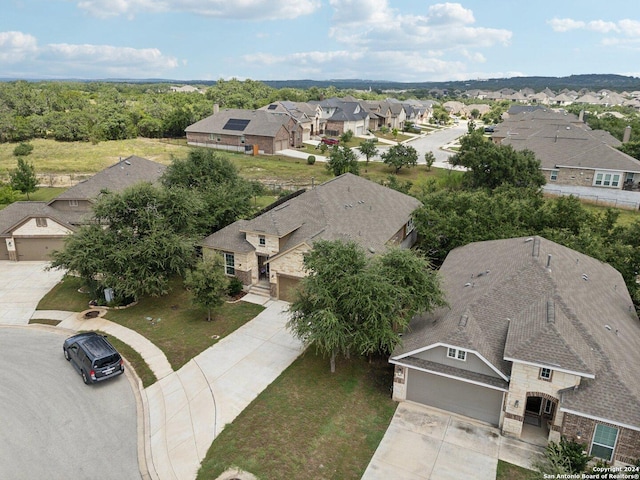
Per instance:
(548,260)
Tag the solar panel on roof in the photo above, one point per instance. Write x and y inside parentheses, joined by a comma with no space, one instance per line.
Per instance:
(272,107)
(237,124)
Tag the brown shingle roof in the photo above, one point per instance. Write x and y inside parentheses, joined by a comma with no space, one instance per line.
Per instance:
(17,213)
(117,177)
(347,207)
(261,122)
(508,293)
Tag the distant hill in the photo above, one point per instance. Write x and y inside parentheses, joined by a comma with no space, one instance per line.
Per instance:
(574,82)
(594,82)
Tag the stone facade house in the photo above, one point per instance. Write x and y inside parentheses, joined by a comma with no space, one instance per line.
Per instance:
(32,230)
(538,338)
(250,131)
(268,250)
(337,116)
(570,153)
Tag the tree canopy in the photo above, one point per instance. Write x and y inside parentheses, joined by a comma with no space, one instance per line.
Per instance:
(350,303)
(368,149)
(24,178)
(342,160)
(208,283)
(399,156)
(490,165)
(134,245)
(221,195)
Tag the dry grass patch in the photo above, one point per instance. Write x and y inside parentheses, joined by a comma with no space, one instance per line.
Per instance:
(509,471)
(309,423)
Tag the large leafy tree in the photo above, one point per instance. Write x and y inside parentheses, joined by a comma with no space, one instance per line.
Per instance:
(208,283)
(490,165)
(223,195)
(368,149)
(135,244)
(342,160)
(350,303)
(24,178)
(399,156)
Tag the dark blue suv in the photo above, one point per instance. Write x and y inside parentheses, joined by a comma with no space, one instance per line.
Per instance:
(93,357)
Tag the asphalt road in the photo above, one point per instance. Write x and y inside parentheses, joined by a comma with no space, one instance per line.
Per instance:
(435,140)
(52,425)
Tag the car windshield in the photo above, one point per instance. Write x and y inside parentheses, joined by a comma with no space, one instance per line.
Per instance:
(103,362)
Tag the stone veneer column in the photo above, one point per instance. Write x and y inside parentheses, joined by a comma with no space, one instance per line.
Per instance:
(399,383)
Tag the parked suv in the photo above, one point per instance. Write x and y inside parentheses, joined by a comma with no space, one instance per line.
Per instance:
(93,357)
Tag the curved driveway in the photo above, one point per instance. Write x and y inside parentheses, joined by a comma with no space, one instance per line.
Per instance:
(54,426)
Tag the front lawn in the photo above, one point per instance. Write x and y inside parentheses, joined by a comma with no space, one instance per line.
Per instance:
(309,423)
(509,471)
(136,361)
(177,327)
(171,322)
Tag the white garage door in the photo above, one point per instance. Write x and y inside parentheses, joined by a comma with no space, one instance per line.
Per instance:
(455,396)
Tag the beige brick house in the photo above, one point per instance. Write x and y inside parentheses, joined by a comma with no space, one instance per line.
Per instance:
(537,338)
(32,230)
(268,249)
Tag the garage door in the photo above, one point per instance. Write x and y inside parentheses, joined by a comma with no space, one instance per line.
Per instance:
(287,287)
(4,253)
(359,130)
(281,145)
(455,396)
(37,248)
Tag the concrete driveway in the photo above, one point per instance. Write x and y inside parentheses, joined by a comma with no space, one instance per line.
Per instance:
(54,426)
(22,286)
(426,443)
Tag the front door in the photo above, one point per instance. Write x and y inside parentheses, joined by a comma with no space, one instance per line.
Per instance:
(532,411)
(263,268)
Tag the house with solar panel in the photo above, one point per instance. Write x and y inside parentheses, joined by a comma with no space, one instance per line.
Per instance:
(250,131)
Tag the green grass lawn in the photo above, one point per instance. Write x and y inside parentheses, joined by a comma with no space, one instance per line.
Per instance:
(509,471)
(180,329)
(309,423)
(177,327)
(50,156)
(626,216)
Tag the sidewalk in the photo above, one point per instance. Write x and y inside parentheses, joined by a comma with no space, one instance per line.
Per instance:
(184,411)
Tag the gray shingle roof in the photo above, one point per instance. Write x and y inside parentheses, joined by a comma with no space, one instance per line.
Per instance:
(117,177)
(507,292)
(347,207)
(17,213)
(261,122)
(561,140)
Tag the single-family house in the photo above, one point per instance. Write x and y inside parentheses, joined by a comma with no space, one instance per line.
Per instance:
(536,337)
(251,131)
(268,250)
(338,116)
(32,230)
(570,153)
(305,114)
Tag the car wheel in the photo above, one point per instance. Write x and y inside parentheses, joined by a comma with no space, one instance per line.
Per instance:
(66,354)
(85,379)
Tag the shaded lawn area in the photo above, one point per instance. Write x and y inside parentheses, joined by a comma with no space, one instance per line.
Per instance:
(42,194)
(65,296)
(509,471)
(177,327)
(309,423)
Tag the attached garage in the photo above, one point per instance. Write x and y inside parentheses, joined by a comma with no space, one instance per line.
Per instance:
(287,287)
(37,248)
(464,398)
(4,253)
(281,145)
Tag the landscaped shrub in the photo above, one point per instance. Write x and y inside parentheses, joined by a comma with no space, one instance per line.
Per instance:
(311,159)
(235,286)
(23,149)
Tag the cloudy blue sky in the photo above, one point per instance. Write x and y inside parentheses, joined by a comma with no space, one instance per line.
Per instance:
(399,40)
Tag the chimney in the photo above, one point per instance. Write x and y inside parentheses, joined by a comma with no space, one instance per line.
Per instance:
(581,116)
(216,108)
(627,134)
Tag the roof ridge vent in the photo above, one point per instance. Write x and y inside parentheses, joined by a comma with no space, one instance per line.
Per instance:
(551,312)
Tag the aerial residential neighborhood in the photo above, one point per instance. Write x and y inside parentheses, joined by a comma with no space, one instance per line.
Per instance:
(340,239)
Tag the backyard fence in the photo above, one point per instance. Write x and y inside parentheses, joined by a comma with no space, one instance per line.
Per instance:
(609,201)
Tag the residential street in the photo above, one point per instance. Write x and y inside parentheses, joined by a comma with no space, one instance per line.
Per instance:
(435,140)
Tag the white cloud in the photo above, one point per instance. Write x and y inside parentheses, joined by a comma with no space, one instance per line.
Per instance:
(565,24)
(231,9)
(16,46)
(630,28)
(109,59)
(449,14)
(602,26)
